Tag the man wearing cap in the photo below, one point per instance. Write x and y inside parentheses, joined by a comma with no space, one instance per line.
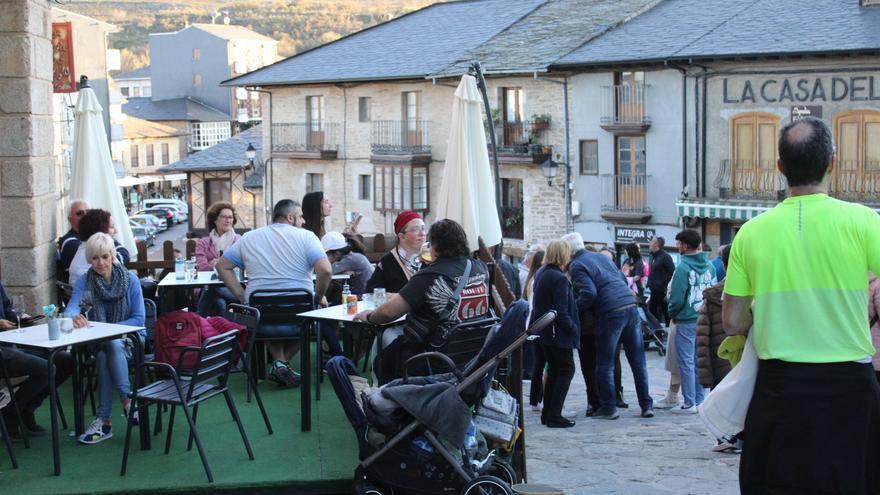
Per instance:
(345,259)
(402,262)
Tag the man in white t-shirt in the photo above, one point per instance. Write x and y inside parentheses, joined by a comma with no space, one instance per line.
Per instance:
(278,256)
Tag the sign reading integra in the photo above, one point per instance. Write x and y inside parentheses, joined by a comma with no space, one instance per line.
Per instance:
(822,89)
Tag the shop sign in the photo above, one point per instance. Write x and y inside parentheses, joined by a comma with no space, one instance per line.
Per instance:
(63,75)
(800,111)
(801,89)
(626,235)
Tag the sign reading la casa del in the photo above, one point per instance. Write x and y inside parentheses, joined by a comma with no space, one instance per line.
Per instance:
(801,89)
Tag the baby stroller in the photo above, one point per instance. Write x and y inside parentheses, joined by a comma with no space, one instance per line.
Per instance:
(653,332)
(417,456)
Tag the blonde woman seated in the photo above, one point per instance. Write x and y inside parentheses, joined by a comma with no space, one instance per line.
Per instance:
(116,297)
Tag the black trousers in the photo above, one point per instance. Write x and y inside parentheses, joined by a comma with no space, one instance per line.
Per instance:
(658,306)
(559,374)
(588,361)
(811,429)
(35,389)
(536,390)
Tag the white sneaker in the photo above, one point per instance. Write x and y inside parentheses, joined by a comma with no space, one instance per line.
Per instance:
(96,432)
(728,447)
(537,407)
(668,402)
(684,410)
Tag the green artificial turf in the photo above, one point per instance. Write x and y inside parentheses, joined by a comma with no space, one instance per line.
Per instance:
(322,460)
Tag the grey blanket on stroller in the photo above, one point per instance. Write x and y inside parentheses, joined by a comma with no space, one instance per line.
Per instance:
(434,401)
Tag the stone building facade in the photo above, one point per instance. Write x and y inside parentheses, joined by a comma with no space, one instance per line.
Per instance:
(28,178)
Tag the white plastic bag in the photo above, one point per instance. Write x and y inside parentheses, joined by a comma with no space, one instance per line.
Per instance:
(724,410)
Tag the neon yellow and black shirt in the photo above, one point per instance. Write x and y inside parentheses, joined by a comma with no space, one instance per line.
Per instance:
(806,264)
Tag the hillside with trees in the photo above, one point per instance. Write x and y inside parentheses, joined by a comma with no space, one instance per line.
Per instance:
(297,24)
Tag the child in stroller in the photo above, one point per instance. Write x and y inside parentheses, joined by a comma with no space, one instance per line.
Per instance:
(416,435)
(653,332)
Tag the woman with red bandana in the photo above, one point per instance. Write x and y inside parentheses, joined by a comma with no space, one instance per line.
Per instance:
(402,262)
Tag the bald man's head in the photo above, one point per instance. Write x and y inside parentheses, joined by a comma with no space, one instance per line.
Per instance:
(77,210)
(805,151)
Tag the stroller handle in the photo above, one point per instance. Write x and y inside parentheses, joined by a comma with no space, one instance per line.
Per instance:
(541,323)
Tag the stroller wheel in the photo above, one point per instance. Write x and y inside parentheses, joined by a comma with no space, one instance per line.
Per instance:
(502,470)
(364,488)
(486,485)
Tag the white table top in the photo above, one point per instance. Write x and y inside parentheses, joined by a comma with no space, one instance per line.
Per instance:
(37,336)
(339,313)
(206,278)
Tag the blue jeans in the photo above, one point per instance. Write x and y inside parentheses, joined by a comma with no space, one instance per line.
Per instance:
(112,374)
(686,348)
(621,326)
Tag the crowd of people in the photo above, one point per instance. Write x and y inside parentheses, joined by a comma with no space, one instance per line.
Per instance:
(798,278)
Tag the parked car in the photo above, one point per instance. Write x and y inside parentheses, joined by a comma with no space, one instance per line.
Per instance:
(179,216)
(154,202)
(159,224)
(149,227)
(140,234)
(163,213)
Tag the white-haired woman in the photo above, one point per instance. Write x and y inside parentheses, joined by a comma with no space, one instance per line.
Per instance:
(116,297)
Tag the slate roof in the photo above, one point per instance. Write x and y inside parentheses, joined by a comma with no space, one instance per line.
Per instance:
(187,108)
(702,29)
(135,128)
(550,31)
(225,155)
(232,32)
(411,46)
(140,73)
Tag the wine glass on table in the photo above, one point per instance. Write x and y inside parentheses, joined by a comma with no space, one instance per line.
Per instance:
(85,304)
(17,308)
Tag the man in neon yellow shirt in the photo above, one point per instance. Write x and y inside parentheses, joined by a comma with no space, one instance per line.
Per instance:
(798,276)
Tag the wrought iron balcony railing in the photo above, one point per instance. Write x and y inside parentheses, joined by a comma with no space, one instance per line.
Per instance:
(305,137)
(400,137)
(625,193)
(623,105)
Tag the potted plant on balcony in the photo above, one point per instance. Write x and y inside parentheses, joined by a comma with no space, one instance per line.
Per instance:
(541,122)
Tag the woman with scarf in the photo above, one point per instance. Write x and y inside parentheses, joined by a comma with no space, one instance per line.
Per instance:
(221,220)
(116,297)
(399,265)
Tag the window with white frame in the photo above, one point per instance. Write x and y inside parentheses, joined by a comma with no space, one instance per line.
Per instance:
(150,158)
(400,187)
(315,112)
(207,134)
(365,187)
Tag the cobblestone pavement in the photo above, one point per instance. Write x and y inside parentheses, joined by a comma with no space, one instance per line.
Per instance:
(669,453)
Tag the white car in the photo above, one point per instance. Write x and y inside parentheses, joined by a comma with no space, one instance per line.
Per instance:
(150,228)
(179,215)
(153,202)
(159,223)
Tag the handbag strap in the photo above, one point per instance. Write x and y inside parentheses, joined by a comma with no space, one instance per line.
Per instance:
(462,281)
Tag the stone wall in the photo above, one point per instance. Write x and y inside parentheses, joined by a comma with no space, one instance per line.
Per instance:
(28,179)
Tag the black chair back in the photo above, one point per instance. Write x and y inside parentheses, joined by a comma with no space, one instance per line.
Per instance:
(150,314)
(214,362)
(244,315)
(281,306)
(467,339)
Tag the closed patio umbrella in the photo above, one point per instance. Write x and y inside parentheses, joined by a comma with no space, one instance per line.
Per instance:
(467,192)
(93,177)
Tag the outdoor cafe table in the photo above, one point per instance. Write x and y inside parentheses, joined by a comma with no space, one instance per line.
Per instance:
(37,338)
(334,314)
(170,283)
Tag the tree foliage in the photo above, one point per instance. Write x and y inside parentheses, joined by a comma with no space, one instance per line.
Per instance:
(298,25)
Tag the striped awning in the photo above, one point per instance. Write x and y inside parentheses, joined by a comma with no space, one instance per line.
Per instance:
(720,210)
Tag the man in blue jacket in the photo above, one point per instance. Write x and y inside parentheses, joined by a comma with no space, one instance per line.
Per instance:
(692,276)
(601,289)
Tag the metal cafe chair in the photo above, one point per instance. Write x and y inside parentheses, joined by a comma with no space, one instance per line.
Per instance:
(249,318)
(209,378)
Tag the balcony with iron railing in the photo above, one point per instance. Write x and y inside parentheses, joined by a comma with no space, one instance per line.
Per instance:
(623,108)
(856,181)
(306,140)
(521,142)
(625,197)
(750,180)
(400,141)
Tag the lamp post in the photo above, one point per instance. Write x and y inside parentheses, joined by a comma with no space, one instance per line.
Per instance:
(250,153)
(549,167)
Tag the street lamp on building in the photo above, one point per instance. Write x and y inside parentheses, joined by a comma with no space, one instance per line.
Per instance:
(549,168)
(250,153)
